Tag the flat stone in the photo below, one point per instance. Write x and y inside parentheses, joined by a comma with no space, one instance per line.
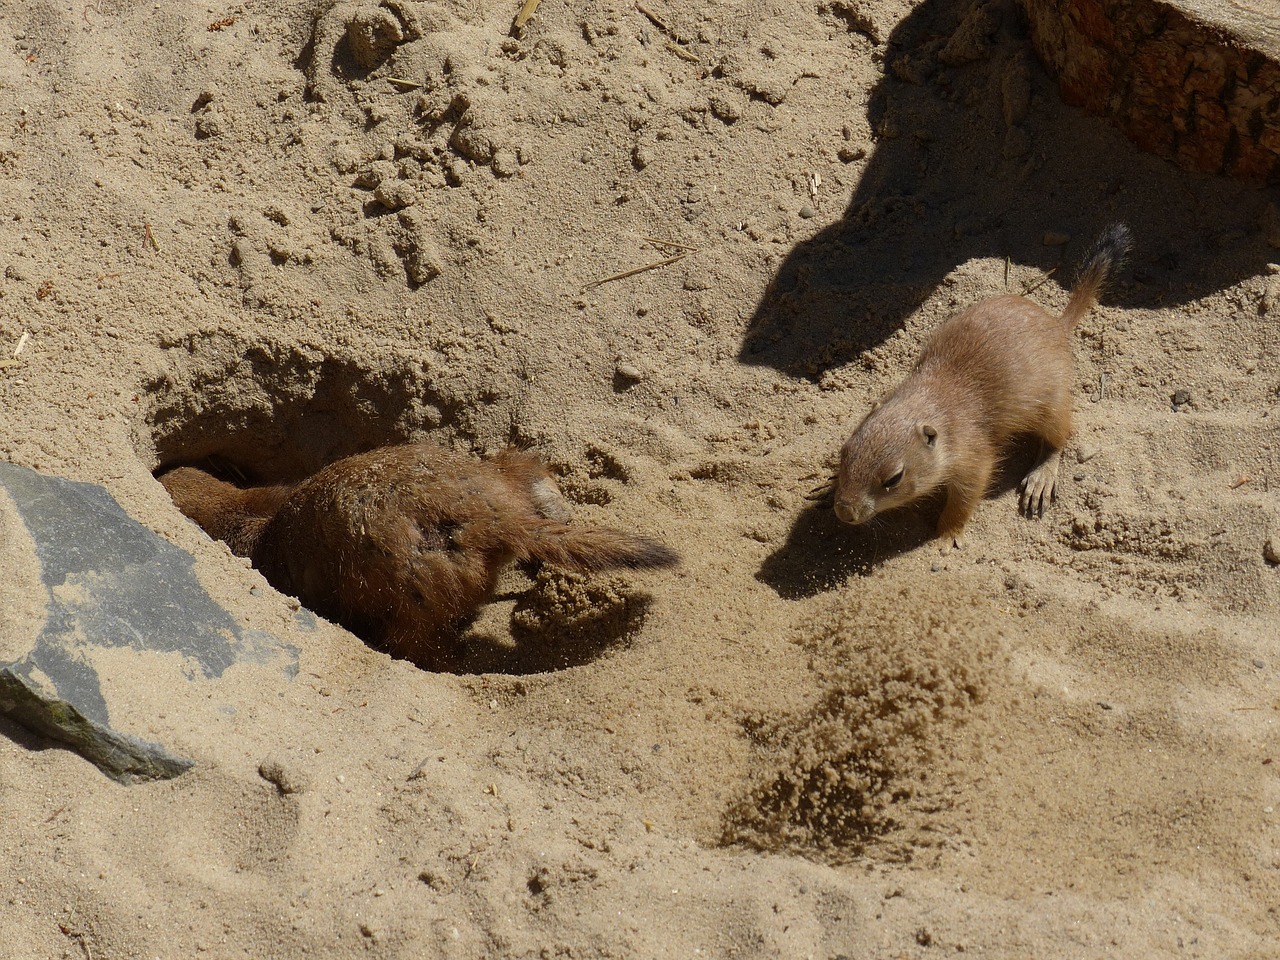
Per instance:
(108,621)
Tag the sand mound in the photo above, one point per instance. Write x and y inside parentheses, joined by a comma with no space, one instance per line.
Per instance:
(882,752)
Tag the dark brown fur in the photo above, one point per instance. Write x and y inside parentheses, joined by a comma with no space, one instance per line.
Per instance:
(403,544)
(999,368)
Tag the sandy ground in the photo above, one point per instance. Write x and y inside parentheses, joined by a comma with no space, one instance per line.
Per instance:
(228,232)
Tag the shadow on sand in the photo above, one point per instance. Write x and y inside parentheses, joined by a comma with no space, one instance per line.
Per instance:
(821,552)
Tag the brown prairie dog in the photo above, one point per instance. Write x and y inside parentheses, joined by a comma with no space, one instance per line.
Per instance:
(999,368)
(401,545)
(225,512)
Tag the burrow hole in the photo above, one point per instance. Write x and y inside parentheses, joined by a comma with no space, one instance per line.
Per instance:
(259,412)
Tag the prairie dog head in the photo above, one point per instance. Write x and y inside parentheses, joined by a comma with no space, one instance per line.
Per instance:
(892,459)
(199,495)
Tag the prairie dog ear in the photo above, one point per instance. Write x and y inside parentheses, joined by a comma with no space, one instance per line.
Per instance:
(929,434)
(871,411)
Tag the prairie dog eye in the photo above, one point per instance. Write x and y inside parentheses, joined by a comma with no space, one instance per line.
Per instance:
(894,480)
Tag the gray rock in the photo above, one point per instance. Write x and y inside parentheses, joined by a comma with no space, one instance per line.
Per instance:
(110,584)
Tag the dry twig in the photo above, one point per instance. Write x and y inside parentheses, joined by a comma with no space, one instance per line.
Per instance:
(631,273)
(682,53)
(1040,283)
(668,243)
(527,11)
(658,22)
(822,491)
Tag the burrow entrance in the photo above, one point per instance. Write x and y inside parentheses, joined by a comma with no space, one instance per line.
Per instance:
(256,412)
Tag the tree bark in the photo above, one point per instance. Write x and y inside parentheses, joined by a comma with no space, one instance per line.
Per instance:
(1194,80)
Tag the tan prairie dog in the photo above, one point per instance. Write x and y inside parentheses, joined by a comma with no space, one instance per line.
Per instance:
(1000,368)
(401,545)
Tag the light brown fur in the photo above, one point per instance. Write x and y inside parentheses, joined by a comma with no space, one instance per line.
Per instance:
(1000,368)
(403,544)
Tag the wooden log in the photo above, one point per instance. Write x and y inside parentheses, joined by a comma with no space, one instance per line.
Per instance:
(1194,80)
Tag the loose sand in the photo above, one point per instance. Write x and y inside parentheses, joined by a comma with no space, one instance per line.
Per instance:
(229,233)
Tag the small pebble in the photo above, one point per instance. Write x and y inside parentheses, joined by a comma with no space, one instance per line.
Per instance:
(1181,397)
(1087,452)
(1271,551)
(1260,664)
(724,109)
(505,163)
(1053,238)
(628,370)
(937,567)
(1104,705)
(395,194)
(807,212)
(1078,476)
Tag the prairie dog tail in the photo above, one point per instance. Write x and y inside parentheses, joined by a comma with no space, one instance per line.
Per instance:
(1104,258)
(586,548)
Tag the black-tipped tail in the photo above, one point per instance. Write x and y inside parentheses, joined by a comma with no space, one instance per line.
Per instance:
(1102,261)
